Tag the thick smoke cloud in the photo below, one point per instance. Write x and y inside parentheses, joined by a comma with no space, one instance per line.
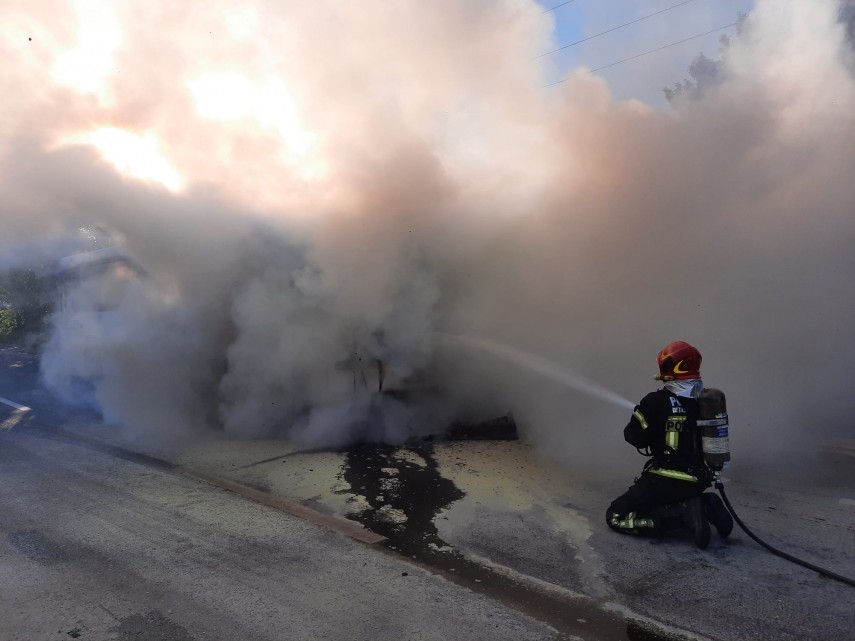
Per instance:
(322,185)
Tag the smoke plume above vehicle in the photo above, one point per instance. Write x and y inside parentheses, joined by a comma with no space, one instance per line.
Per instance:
(307,190)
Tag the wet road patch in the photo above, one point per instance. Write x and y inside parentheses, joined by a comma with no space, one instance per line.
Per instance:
(151,625)
(36,547)
(399,491)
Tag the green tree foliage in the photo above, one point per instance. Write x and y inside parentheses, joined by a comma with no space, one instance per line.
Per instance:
(8,323)
(25,302)
(705,72)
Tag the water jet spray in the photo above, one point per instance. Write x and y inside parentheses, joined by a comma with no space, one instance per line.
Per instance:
(538,365)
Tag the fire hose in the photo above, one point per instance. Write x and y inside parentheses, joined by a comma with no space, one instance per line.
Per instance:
(789,557)
(713,421)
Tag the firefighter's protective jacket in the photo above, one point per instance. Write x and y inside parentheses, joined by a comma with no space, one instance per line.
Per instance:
(668,425)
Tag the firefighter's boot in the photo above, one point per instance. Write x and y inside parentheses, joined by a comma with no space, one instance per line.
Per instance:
(666,518)
(717,514)
(695,520)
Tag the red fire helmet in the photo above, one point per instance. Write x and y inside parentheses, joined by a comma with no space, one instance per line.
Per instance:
(679,360)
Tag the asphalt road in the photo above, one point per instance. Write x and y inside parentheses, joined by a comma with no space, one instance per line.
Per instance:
(97,547)
(486,541)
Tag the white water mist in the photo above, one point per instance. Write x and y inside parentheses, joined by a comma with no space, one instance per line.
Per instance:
(539,365)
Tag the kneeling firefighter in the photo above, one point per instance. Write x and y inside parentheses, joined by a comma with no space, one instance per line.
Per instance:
(664,426)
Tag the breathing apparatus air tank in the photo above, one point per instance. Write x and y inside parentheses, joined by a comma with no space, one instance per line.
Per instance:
(713,423)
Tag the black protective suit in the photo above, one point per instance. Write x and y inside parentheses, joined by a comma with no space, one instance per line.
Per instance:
(665,427)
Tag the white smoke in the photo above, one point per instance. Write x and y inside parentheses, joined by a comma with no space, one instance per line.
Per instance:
(318,183)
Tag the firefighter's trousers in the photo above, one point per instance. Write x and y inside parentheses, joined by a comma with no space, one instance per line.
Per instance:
(648,506)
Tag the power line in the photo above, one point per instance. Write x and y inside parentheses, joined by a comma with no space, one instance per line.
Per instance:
(679,42)
(626,24)
(557,6)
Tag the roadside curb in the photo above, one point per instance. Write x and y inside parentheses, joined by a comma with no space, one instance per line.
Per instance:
(346,527)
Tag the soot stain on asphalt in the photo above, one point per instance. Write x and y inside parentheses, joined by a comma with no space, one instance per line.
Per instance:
(403,489)
(151,625)
(401,492)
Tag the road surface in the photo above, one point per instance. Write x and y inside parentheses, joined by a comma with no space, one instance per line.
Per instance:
(486,540)
(97,547)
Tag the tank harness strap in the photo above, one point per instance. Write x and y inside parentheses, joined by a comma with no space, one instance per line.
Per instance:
(674,474)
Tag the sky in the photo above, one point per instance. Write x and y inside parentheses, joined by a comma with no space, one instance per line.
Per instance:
(306,187)
(644,77)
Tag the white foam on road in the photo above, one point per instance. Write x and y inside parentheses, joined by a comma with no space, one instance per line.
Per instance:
(16,416)
(13,420)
